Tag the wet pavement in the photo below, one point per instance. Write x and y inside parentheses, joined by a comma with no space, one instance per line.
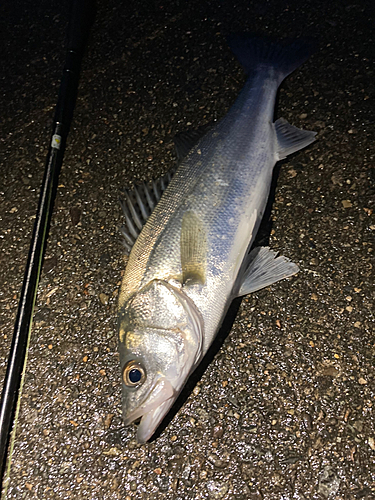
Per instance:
(283,407)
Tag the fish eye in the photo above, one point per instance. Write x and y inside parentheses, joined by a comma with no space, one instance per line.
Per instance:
(134,374)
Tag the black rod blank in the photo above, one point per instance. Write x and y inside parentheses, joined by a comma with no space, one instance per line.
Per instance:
(80,20)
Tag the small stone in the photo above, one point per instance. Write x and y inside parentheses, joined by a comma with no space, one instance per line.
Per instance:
(346,203)
(371,442)
(218,431)
(216,461)
(103,298)
(75,215)
(217,489)
(329,482)
(306,418)
(362,381)
(108,420)
(196,390)
(330,371)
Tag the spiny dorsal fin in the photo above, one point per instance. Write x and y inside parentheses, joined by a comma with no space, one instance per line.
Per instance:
(193,247)
(139,203)
(137,206)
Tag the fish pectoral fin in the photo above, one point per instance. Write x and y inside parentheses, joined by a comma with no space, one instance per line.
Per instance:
(193,248)
(265,268)
(291,139)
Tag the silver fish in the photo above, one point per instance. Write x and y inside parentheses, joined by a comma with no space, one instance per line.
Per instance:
(191,258)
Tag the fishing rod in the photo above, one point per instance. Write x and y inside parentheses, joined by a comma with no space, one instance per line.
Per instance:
(80,20)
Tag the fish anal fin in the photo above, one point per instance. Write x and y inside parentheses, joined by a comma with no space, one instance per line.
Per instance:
(193,248)
(291,139)
(265,268)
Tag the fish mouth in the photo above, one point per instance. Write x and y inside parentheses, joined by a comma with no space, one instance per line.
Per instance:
(153,409)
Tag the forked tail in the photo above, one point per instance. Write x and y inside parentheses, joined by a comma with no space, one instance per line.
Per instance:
(255,53)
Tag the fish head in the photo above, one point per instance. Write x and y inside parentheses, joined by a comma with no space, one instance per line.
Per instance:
(160,343)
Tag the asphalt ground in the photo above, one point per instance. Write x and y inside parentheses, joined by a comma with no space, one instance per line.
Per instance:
(283,407)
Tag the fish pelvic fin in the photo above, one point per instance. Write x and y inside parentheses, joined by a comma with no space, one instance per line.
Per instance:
(291,139)
(193,248)
(284,56)
(263,269)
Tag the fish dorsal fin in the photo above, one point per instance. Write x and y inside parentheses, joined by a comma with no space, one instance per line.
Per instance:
(263,269)
(137,206)
(193,247)
(185,141)
(291,139)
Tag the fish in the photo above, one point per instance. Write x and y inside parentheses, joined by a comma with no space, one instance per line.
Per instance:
(190,236)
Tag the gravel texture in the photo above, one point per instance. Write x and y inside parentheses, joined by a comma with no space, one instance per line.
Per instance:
(283,407)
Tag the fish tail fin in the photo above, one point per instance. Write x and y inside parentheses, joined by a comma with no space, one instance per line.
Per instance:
(255,52)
